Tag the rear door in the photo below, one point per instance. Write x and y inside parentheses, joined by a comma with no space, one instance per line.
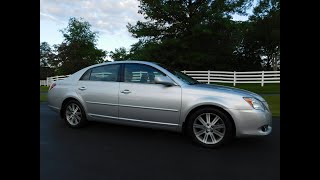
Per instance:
(99,88)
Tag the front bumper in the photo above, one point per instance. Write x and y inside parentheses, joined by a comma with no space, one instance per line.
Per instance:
(252,122)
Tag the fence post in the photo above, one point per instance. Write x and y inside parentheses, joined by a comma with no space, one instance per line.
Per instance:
(208,76)
(234,78)
(262,79)
(184,71)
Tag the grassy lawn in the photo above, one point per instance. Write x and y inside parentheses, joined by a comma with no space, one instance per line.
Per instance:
(44,89)
(274,103)
(43,97)
(266,89)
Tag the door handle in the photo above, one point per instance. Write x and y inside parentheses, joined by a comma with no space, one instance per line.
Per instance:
(82,88)
(126,91)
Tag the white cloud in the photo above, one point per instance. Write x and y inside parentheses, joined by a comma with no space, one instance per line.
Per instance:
(105,16)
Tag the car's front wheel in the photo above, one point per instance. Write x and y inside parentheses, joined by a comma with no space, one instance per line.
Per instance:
(210,127)
(74,114)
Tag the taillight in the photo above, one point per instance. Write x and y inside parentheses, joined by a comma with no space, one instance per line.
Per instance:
(52,86)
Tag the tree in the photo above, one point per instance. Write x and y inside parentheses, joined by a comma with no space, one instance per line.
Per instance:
(246,54)
(188,34)
(78,49)
(266,32)
(46,54)
(119,54)
(46,57)
(46,72)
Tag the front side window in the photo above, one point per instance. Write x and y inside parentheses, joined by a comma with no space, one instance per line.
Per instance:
(104,73)
(185,78)
(139,73)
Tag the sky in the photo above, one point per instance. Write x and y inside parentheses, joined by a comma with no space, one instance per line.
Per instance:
(108,17)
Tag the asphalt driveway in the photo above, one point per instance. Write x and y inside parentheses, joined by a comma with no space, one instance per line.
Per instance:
(106,151)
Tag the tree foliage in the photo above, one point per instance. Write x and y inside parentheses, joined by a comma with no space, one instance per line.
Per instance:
(200,34)
(46,54)
(46,57)
(119,54)
(188,34)
(266,32)
(78,50)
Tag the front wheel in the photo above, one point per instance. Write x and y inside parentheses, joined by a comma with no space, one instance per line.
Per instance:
(210,127)
(74,114)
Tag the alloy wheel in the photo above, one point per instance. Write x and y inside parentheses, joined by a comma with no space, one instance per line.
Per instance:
(73,114)
(209,128)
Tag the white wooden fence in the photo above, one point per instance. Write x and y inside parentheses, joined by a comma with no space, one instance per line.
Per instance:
(258,77)
(51,80)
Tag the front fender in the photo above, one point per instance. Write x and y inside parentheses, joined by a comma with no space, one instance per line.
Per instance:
(188,106)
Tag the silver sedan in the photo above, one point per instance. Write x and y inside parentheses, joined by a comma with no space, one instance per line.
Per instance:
(151,95)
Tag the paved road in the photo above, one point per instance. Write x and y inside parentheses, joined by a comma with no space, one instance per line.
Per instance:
(105,151)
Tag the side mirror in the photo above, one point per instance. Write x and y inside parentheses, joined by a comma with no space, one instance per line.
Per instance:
(164,80)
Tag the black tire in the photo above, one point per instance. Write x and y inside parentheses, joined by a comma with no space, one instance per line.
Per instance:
(83,120)
(228,127)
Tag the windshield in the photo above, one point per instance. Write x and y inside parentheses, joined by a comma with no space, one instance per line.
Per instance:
(185,78)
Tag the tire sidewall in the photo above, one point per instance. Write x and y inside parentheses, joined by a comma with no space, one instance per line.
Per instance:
(83,120)
(227,121)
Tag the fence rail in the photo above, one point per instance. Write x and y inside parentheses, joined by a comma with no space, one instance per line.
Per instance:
(258,77)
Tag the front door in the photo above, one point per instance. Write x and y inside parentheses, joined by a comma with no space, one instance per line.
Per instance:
(141,100)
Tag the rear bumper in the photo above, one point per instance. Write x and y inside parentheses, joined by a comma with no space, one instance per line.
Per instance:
(252,122)
(53,102)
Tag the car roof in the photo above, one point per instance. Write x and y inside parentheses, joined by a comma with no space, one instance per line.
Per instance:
(126,61)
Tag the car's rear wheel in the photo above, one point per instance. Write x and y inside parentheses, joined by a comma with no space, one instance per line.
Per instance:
(74,114)
(210,127)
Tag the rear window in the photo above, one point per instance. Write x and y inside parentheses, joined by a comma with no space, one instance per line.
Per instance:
(102,73)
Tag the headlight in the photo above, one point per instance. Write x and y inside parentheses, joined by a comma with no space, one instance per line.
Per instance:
(254,103)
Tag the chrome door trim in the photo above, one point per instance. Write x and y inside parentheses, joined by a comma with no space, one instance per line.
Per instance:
(54,107)
(103,116)
(135,120)
(91,102)
(142,107)
(153,108)
(151,122)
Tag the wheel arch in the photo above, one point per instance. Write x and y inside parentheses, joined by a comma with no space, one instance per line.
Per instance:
(66,100)
(194,109)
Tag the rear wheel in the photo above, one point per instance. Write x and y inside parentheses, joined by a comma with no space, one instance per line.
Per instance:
(74,114)
(210,127)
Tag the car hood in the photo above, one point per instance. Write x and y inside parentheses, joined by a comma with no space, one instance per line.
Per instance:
(231,90)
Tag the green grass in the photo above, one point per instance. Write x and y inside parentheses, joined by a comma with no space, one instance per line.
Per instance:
(266,89)
(43,97)
(274,104)
(44,89)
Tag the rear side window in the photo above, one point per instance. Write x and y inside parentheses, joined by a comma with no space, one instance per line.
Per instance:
(86,75)
(105,73)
